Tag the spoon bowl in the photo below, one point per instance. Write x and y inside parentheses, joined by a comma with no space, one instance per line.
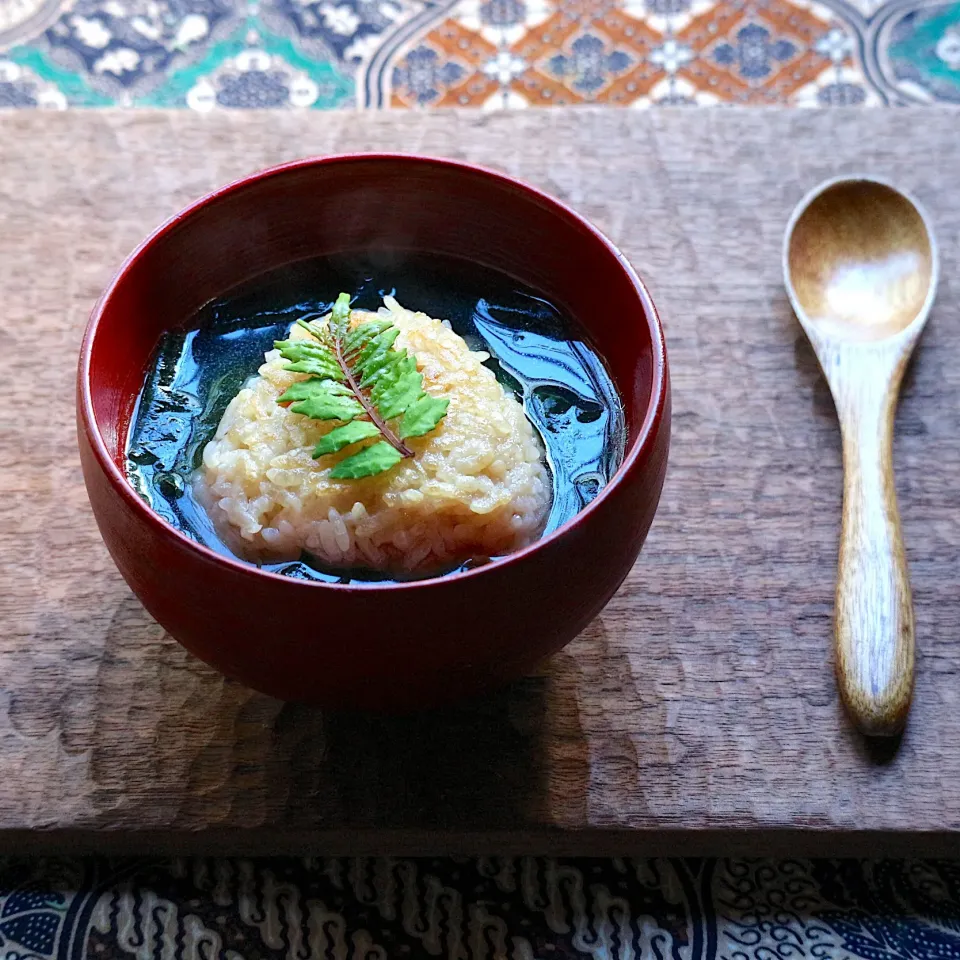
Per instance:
(860,260)
(860,266)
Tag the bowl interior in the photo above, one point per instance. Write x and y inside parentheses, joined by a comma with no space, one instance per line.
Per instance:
(358,205)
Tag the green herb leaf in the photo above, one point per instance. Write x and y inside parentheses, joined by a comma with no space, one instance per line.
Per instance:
(328,408)
(319,368)
(380,344)
(317,332)
(302,349)
(307,389)
(309,357)
(340,317)
(368,462)
(341,437)
(358,338)
(322,400)
(374,367)
(422,416)
(398,386)
(354,373)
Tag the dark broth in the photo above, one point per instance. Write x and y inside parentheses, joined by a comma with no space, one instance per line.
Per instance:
(537,353)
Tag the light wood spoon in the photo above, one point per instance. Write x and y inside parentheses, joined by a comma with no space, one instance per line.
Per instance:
(860,266)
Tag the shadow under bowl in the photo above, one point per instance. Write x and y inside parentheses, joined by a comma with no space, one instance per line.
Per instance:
(399,646)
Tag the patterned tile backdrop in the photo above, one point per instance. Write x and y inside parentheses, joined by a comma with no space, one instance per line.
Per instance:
(489,54)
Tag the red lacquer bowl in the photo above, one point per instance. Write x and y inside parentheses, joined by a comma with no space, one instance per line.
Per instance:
(393,647)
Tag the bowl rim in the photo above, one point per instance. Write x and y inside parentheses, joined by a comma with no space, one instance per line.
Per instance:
(635,452)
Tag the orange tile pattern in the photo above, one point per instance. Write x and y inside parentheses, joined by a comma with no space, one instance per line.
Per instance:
(721,26)
(630,53)
(616,32)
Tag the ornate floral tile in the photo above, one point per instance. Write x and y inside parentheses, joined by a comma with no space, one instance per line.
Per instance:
(917,49)
(631,53)
(488,54)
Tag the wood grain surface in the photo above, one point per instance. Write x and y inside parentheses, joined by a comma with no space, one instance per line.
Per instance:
(698,713)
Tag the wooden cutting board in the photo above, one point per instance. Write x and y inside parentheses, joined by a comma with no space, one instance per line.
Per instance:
(698,713)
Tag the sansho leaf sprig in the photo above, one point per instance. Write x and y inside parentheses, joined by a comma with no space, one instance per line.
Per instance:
(359,377)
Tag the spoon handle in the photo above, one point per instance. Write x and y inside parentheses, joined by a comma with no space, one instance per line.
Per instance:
(874,608)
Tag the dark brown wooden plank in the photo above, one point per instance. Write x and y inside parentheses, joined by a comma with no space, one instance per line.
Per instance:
(699,710)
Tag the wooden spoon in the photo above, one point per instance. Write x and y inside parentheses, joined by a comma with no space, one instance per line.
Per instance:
(860,266)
